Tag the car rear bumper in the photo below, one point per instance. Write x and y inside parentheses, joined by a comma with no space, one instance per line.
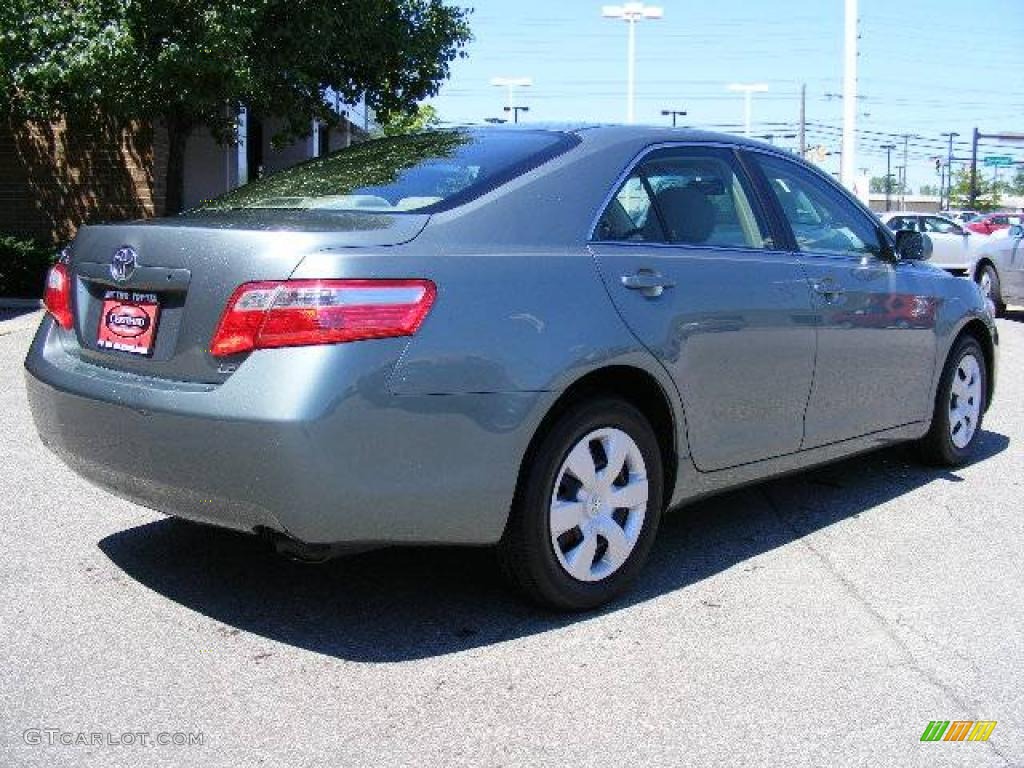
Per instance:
(305,441)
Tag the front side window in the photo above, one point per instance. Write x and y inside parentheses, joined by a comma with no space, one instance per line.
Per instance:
(688,197)
(420,172)
(822,218)
(941,226)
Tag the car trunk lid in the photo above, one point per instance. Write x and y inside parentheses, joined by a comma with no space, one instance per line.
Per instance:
(159,288)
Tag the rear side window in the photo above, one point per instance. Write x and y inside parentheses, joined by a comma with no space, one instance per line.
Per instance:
(688,196)
(422,173)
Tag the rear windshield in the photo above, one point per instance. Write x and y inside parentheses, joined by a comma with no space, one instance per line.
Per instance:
(422,172)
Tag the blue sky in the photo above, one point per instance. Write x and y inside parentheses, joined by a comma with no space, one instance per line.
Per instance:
(926,67)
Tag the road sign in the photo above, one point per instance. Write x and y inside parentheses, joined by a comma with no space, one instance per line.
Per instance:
(997,161)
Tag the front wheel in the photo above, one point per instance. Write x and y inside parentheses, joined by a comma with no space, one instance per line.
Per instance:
(588,508)
(988,281)
(959,406)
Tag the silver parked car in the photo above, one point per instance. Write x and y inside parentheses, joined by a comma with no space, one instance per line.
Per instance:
(954,248)
(1000,272)
(538,339)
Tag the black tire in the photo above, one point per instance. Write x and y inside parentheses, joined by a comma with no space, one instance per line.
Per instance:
(937,447)
(526,551)
(996,293)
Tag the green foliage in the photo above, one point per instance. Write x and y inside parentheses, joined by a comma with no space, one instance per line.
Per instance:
(877,185)
(371,163)
(422,118)
(988,193)
(1016,185)
(929,189)
(190,62)
(23,265)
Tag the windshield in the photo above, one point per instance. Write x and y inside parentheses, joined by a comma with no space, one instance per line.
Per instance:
(420,172)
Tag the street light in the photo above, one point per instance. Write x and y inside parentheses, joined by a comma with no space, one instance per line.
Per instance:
(675,113)
(515,112)
(748,90)
(631,13)
(511,83)
(770,137)
(888,173)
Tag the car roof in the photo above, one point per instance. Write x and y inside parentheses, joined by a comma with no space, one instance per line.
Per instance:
(613,133)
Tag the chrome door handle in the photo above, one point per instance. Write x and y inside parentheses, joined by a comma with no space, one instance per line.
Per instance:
(649,283)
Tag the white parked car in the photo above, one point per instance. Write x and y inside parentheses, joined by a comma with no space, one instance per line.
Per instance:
(955,248)
(1000,268)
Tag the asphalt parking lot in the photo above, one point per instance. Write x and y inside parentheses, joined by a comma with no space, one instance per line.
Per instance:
(822,619)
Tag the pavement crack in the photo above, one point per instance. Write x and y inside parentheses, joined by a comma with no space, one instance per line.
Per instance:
(886,626)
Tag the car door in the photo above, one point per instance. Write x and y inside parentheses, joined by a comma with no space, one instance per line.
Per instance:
(875,317)
(1011,266)
(689,261)
(951,246)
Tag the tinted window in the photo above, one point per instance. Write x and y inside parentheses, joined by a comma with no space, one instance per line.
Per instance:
(896,223)
(689,196)
(823,218)
(629,215)
(426,171)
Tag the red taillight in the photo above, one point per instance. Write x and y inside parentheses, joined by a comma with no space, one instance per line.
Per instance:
(57,297)
(295,313)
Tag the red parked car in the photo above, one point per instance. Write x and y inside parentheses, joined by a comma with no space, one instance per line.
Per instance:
(993,222)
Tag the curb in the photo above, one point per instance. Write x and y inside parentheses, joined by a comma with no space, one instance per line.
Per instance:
(21,303)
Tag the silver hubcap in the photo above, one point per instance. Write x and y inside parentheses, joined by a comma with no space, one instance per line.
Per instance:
(985,283)
(598,505)
(965,401)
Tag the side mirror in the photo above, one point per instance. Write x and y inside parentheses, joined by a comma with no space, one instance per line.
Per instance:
(913,246)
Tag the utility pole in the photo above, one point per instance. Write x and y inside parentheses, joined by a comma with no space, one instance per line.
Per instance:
(903,186)
(515,112)
(888,174)
(803,119)
(748,90)
(849,159)
(973,201)
(675,113)
(949,172)
(631,13)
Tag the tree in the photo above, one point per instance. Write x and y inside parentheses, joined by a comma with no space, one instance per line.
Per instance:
(190,63)
(420,119)
(877,185)
(1016,184)
(929,189)
(988,193)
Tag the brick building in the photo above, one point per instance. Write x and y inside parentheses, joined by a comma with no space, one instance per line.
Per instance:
(54,177)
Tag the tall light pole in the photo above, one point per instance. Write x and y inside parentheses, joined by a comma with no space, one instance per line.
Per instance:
(511,83)
(515,111)
(675,113)
(848,167)
(949,171)
(631,13)
(748,90)
(888,174)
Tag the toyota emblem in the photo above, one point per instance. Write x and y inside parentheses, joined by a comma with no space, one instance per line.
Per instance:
(123,263)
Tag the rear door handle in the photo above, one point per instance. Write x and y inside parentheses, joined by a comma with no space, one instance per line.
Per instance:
(649,283)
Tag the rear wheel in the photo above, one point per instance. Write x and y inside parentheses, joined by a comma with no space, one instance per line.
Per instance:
(586,514)
(988,281)
(959,406)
